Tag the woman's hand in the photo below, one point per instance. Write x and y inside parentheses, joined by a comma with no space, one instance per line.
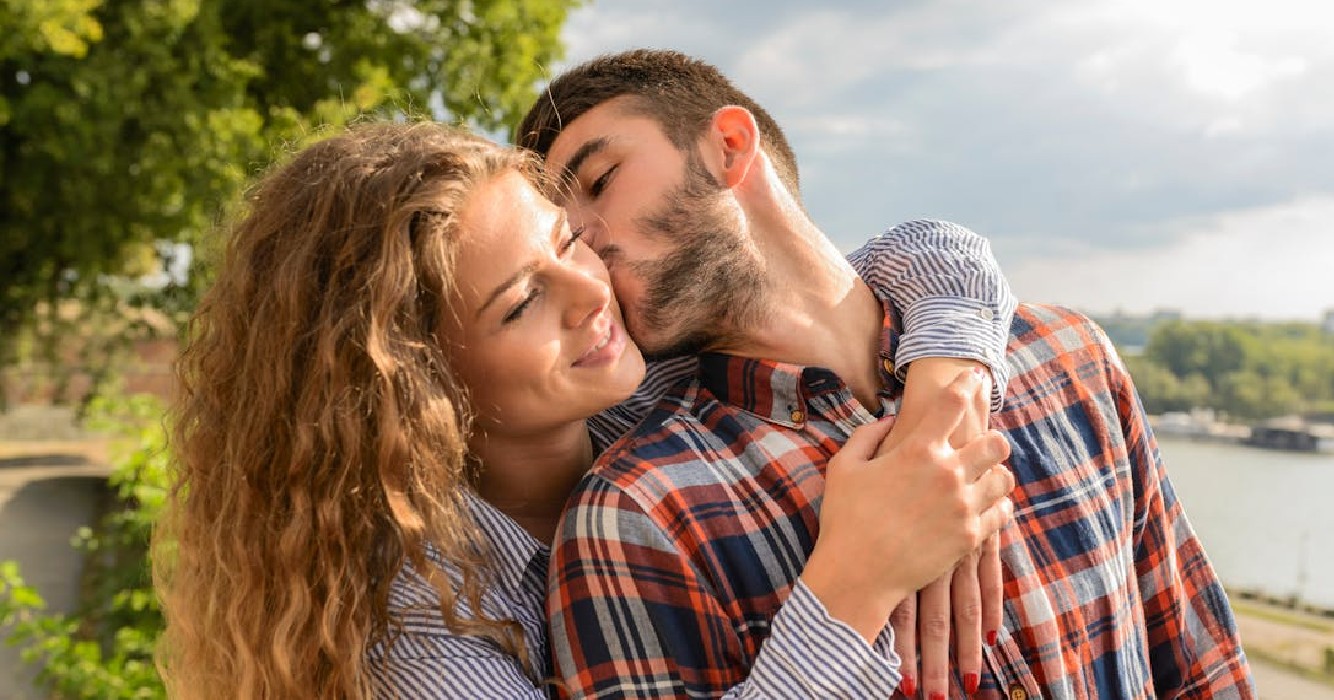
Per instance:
(969,601)
(890,524)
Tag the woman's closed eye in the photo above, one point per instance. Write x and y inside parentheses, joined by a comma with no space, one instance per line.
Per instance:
(517,312)
(566,247)
(575,235)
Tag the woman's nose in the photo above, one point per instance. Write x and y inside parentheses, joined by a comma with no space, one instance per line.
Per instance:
(589,295)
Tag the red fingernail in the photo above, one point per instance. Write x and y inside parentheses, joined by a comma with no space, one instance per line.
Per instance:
(970,683)
(937,696)
(991,638)
(909,686)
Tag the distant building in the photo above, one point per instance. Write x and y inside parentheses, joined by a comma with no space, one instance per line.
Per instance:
(1328,325)
(1161,315)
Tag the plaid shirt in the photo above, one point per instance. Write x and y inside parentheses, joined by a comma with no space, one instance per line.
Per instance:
(956,304)
(684,541)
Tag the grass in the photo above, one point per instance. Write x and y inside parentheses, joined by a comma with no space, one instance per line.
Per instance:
(94,451)
(1304,671)
(1292,618)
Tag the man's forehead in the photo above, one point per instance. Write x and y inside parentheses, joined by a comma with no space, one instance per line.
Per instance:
(606,120)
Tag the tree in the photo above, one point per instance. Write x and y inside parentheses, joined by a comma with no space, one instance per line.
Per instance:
(1247,370)
(1207,348)
(126,123)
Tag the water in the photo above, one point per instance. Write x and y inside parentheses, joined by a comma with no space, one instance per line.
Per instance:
(1264,516)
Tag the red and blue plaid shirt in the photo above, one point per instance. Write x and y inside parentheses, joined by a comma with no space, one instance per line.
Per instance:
(683,542)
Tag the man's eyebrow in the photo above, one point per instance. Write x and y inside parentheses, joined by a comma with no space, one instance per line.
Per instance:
(576,161)
(523,272)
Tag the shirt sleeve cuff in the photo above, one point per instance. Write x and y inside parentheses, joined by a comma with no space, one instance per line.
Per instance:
(961,328)
(812,655)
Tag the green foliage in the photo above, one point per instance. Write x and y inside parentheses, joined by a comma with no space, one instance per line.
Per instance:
(1163,391)
(1133,331)
(1249,371)
(129,123)
(104,650)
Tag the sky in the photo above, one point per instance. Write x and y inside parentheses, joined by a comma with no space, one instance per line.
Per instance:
(1120,155)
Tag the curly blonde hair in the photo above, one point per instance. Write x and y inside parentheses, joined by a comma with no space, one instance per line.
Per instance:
(320,435)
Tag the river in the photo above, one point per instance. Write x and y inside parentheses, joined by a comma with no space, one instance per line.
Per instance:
(1265,517)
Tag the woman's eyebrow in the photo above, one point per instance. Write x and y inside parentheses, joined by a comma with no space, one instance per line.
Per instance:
(524,271)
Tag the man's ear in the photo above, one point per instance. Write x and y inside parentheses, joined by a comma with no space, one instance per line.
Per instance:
(738,139)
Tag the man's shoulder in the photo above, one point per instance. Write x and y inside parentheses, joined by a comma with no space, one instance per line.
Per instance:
(1053,347)
(1040,331)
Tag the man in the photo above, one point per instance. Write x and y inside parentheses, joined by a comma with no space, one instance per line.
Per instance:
(689,192)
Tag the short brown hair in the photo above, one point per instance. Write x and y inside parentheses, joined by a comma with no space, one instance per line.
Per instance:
(679,92)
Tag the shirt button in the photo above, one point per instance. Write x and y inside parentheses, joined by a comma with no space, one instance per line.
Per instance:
(985,314)
(798,416)
(1017,692)
(888,364)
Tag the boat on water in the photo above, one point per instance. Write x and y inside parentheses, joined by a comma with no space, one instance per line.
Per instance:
(1292,435)
(1200,425)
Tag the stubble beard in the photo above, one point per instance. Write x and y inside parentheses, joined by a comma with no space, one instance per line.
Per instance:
(711,287)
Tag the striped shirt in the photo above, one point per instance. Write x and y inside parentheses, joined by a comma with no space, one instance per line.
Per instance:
(679,548)
(955,302)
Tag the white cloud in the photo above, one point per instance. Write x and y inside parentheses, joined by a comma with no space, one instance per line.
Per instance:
(1082,132)
(1275,261)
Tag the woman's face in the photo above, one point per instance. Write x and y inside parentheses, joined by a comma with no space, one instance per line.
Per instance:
(540,341)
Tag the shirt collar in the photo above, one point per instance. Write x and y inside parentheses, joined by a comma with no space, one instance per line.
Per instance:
(779,392)
(515,551)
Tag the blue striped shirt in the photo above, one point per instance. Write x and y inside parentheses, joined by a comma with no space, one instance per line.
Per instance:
(953,301)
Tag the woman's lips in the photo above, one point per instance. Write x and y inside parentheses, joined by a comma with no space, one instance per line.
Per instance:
(606,349)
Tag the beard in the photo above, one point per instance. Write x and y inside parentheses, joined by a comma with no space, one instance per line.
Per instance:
(710,287)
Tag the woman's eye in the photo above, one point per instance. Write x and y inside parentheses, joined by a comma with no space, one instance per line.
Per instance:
(600,184)
(575,235)
(516,312)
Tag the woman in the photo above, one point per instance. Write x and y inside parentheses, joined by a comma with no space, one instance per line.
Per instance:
(377,423)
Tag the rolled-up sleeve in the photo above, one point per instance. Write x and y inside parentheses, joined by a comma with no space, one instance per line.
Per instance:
(949,291)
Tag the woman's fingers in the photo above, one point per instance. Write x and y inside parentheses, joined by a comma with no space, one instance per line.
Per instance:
(966,604)
(996,517)
(933,632)
(995,484)
(992,583)
(904,621)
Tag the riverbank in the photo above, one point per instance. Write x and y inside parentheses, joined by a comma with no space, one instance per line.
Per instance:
(1298,642)
(1288,434)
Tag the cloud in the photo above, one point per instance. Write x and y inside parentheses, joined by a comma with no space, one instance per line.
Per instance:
(1268,261)
(1097,127)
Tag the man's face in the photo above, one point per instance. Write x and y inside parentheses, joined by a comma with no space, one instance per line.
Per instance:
(669,233)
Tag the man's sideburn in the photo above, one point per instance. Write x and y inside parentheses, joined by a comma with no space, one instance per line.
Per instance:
(710,286)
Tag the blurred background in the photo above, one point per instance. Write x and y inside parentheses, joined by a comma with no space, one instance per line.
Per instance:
(1162,166)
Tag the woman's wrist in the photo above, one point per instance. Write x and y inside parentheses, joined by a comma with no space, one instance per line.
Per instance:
(864,605)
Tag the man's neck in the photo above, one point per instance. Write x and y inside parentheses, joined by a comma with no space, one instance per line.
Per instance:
(817,310)
(530,477)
